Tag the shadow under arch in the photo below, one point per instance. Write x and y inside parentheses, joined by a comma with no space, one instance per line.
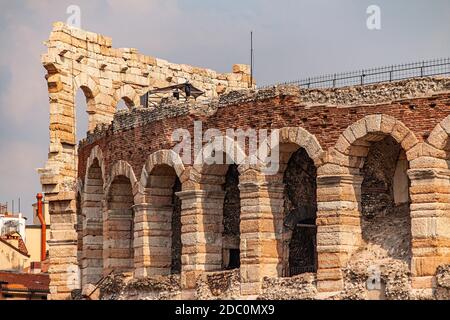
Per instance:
(266,194)
(158,216)
(216,173)
(93,210)
(118,223)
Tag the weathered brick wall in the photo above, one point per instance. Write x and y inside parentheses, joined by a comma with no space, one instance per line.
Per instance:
(339,130)
(136,134)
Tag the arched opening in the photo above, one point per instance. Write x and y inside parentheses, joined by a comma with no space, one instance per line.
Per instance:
(176,228)
(92,258)
(124,104)
(384,202)
(83,100)
(165,231)
(300,211)
(221,209)
(79,227)
(231,219)
(119,234)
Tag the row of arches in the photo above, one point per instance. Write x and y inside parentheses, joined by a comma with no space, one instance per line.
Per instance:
(153,226)
(100,105)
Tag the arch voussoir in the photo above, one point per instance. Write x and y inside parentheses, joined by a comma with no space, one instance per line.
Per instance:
(162,157)
(96,154)
(123,168)
(351,141)
(304,139)
(129,94)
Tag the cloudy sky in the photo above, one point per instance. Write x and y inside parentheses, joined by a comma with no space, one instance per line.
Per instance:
(293,40)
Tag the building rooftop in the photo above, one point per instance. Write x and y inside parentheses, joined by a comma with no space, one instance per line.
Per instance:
(24,282)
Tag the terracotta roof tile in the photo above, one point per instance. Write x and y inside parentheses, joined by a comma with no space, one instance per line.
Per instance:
(25,281)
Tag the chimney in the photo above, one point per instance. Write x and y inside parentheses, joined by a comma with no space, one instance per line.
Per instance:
(43,227)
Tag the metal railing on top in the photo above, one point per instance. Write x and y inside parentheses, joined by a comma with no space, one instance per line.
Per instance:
(421,69)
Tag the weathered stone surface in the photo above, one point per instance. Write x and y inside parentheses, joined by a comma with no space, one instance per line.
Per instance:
(134,215)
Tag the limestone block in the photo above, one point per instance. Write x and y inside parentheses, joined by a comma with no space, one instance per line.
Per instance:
(409,141)
(445,124)
(342,145)
(241,68)
(373,123)
(359,128)
(387,124)
(438,137)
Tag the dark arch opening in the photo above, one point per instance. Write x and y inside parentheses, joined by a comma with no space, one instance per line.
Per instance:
(120,226)
(300,207)
(176,228)
(231,219)
(386,221)
(79,228)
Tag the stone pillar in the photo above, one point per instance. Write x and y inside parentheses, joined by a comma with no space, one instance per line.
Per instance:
(92,233)
(117,249)
(201,233)
(261,230)
(63,269)
(338,227)
(58,180)
(152,239)
(430,223)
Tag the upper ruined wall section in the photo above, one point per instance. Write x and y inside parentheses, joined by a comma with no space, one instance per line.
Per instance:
(78,59)
(354,96)
(87,60)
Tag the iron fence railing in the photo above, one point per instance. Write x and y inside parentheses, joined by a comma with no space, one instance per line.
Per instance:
(427,68)
(301,269)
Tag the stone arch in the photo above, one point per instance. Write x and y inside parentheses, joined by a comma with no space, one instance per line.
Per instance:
(219,196)
(430,176)
(303,139)
(128,94)
(90,90)
(89,87)
(353,141)
(365,183)
(293,196)
(123,168)
(439,136)
(118,223)
(162,157)
(96,154)
(231,152)
(158,216)
(92,232)
(353,146)
(436,150)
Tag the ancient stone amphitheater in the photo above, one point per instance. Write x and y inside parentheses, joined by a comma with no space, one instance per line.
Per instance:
(358,208)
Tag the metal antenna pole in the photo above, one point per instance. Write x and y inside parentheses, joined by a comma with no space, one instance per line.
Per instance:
(251,59)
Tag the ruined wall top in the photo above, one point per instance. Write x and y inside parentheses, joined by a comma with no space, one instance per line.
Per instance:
(352,96)
(93,53)
(78,59)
